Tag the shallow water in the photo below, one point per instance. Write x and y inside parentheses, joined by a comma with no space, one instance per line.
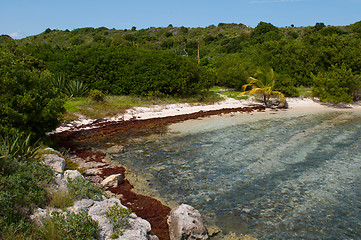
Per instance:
(284,176)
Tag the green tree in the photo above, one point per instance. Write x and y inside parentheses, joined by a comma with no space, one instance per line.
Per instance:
(28,103)
(338,84)
(263,85)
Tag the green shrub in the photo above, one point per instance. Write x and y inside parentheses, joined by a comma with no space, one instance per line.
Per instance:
(96,95)
(27,102)
(68,225)
(338,84)
(119,217)
(80,188)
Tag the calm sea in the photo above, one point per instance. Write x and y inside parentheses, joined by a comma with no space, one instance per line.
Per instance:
(289,175)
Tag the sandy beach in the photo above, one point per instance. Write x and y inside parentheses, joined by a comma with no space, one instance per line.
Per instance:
(168,110)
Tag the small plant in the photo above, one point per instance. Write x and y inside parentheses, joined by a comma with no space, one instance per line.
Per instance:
(119,217)
(60,199)
(77,88)
(59,83)
(80,188)
(17,147)
(68,225)
(96,95)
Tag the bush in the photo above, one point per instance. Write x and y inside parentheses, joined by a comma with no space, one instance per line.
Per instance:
(27,102)
(96,95)
(80,188)
(119,217)
(336,85)
(70,226)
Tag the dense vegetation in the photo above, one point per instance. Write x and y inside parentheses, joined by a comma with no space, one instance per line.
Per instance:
(163,61)
(38,74)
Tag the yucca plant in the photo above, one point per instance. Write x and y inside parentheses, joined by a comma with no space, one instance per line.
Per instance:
(17,147)
(77,88)
(59,83)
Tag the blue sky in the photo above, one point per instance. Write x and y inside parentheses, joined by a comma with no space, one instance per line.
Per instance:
(21,18)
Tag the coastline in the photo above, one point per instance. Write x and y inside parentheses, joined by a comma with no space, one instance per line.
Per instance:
(141,119)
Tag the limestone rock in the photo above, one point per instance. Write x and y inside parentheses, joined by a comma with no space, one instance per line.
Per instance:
(139,229)
(56,162)
(185,222)
(93,171)
(112,181)
(72,174)
(83,204)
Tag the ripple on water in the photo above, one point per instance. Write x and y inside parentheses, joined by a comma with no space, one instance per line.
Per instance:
(279,177)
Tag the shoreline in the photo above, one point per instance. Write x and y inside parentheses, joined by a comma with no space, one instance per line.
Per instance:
(143,122)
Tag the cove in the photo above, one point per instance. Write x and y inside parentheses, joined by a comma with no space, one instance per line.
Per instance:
(289,175)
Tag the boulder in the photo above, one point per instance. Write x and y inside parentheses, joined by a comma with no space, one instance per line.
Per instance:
(56,162)
(112,181)
(185,222)
(72,174)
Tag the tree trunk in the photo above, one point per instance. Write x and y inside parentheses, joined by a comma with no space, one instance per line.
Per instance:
(265,100)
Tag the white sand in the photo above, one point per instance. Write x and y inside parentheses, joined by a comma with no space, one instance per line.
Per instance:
(295,104)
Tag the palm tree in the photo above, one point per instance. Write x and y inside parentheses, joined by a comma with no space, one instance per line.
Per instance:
(263,85)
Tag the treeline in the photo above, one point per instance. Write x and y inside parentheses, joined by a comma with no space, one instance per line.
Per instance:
(229,53)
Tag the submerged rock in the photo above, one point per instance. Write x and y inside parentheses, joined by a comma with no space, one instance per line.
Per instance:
(185,222)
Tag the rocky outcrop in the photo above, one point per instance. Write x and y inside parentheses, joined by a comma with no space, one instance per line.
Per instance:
(112,181)
(138,229)
(185,222)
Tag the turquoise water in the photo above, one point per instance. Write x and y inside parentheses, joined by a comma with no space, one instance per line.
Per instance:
(283,176)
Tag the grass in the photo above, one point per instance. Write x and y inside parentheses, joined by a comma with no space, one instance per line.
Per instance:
(115,105)
(304,92)
(60,199)
(230,93)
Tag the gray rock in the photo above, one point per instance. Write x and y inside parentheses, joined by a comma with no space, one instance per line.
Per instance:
(83,204)
(185,222)
(112,181)
(72,174)
(93,171)
(56,162)
(139,230)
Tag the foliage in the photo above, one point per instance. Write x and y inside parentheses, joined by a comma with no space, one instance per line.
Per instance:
(96,95)
(77,88)
(16,147)
(60,199)
(27,103)
(232,71)
(263,85)
(336,85)
(68,225)
(119,217)
(22,187)
(80,188)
